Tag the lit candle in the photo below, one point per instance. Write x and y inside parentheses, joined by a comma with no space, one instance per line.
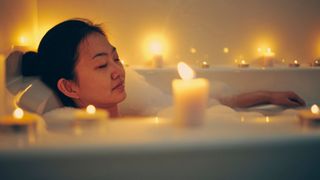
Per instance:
(156,49)
(19,120)
(205,64)
(316,63)
(226,50)
(243,64)
(294,64)
(91,114)
(268,58)
(190,97)
(310,117)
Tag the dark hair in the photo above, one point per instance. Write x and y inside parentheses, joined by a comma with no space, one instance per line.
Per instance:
(58,53)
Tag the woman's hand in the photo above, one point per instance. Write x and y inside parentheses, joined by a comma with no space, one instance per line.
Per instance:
(287,98)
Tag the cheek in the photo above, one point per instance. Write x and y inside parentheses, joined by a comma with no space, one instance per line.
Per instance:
(95,86)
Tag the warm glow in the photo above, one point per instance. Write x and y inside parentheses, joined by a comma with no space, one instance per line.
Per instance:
(269,50)
(226,50)
(315,109)
(156,48)
(18,113)
(243,62)
(204,63)
(91,109)
(268,53)
(242,119)
(23,40)
(259,50)
(185,72)
(267,119)
(193,50)
(156,45)
(295,62)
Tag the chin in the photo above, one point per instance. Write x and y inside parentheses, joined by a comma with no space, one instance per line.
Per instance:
(124,96)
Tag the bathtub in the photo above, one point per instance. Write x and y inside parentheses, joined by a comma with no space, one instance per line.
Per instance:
(151,148)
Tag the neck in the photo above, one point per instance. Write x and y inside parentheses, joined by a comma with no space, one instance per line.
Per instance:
(113,111)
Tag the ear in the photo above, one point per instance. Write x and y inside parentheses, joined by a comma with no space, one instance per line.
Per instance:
(68,88)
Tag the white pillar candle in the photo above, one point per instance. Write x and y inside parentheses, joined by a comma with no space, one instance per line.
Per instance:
(190,97)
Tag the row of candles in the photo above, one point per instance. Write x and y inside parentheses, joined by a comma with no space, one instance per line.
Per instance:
(244,64)
(190,101)
(157,62)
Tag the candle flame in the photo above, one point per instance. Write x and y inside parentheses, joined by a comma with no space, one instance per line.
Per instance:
(243,62)
(91,109)
(315,109)
(23,40)
(193,50)
(156,47)
(204,63)
(296,62)
(18,113)
(226,50)
(185,72)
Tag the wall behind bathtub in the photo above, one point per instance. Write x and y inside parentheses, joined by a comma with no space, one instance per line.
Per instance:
(290,27)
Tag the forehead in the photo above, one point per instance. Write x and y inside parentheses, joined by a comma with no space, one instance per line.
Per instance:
(94,43)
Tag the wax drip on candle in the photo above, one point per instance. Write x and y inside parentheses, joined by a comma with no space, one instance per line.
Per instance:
(185,72)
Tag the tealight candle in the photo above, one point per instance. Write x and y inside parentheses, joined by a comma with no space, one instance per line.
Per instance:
(310,117)
(243,64)
(19,120)
(91,114)
(190,97)
(294,64)
(316,63)
(205,65)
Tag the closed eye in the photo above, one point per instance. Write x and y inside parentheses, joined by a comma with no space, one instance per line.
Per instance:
(103,66)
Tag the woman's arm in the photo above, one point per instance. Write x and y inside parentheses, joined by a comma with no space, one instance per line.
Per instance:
(287,98)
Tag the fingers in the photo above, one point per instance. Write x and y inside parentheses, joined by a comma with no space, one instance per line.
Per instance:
(292,103)
(293,97)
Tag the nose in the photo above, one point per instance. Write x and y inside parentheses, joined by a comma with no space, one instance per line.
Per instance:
(117,73)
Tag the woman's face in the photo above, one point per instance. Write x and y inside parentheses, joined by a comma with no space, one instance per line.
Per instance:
(99,72)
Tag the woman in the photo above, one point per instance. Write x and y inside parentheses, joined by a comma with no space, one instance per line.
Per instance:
(76,60)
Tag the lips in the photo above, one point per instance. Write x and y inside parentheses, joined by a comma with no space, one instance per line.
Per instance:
(120,86)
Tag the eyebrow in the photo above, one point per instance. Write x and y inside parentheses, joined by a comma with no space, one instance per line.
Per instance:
(104,53)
